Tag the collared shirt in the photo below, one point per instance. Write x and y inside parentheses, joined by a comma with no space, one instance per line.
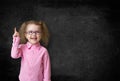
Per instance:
(35,61)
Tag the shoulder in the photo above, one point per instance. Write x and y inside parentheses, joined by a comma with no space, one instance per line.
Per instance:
(22,45)
(43,49)
(45,52)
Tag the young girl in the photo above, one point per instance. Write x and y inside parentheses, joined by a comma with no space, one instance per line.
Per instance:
(29,44)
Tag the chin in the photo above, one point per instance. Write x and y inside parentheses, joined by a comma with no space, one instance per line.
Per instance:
(33,42)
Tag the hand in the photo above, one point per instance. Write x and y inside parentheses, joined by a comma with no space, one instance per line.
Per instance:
(16,34)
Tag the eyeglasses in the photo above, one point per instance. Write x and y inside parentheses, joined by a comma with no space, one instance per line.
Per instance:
(32,32)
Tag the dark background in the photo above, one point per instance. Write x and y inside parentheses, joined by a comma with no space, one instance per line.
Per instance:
(84,44)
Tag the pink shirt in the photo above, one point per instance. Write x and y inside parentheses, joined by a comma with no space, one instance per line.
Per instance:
(35,61)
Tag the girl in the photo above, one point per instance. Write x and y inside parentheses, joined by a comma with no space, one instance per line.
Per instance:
(28,44)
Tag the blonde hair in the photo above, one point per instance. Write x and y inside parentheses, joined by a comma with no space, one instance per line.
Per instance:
(45,33)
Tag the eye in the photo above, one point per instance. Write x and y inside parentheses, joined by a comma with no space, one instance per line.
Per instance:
(37,32)
(30,32)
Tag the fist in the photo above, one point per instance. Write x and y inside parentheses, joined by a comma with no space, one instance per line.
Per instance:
(16,34)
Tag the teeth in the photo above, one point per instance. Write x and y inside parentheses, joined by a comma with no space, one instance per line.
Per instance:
(33,38)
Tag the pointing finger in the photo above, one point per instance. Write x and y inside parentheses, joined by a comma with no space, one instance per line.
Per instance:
(15,30)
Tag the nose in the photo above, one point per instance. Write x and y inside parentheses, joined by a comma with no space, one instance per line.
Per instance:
(34,33)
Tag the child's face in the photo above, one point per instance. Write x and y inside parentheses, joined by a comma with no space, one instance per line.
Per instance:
(33,33)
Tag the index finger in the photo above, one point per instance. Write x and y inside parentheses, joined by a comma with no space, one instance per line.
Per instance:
(15,29)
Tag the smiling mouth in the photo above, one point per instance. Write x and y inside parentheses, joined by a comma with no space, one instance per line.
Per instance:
(34,38)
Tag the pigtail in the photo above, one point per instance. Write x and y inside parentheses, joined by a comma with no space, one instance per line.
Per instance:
(22,29)
(45,34)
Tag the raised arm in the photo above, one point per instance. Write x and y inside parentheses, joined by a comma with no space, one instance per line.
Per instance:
(16,51)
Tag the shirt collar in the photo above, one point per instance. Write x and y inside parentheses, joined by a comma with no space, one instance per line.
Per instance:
(29,45)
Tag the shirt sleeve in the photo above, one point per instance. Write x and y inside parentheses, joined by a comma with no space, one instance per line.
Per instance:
(16,51)
(47,67)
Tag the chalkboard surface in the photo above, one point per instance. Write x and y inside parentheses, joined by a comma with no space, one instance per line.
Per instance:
(84,44)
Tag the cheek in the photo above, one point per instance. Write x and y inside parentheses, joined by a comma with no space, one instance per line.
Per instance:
(39,37)
(27,36)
